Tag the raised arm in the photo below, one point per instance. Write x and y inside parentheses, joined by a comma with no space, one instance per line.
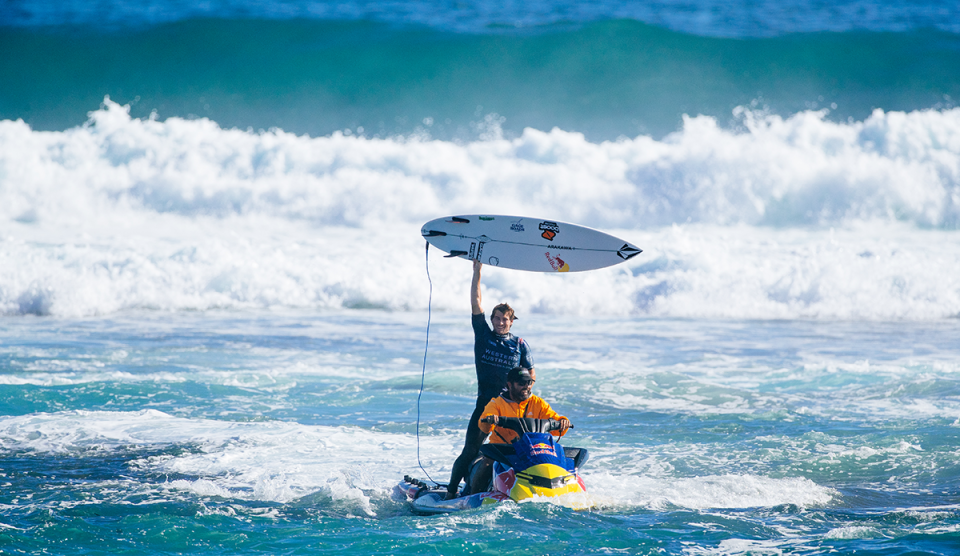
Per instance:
(475,289)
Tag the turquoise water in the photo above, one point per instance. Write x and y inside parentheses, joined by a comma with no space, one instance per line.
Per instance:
(605,79)
(268,433)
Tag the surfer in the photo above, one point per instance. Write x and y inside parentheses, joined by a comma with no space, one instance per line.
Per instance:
(496,351)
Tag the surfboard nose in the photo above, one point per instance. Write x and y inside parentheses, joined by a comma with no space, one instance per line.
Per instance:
(628,251)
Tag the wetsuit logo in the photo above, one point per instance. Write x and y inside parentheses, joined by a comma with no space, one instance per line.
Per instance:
(549,229)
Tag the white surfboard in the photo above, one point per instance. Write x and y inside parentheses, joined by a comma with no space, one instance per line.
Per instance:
(521,243)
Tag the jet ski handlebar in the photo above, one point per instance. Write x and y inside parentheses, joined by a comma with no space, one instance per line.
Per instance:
(521,425)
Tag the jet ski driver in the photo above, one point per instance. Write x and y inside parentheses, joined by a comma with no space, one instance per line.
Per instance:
(495,352)
(516,401)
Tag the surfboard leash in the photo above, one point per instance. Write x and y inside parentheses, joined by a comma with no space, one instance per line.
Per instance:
(423,372)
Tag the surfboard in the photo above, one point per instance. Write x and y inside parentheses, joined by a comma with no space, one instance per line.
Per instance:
(521,243)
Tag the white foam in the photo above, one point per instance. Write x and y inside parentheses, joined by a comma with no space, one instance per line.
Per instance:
(273,461)
(853,532)
(885,384)
(785,218)
(62,379)
(717,491)
(734,547)
(282,462)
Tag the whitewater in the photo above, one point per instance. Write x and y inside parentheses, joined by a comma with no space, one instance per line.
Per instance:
(777,217)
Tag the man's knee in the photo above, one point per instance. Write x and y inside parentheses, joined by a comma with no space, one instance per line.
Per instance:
(482,475)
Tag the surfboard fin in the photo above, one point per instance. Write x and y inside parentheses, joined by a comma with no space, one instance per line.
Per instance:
(455,254)
(628,251)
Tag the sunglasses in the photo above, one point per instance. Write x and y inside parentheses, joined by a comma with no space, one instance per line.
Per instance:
(525,382)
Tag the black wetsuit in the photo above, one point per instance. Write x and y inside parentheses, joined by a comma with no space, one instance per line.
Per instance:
(495,355)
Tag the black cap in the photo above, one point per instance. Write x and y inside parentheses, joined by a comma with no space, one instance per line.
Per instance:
(519,374)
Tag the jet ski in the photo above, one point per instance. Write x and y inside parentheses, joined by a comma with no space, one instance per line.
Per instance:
(535,465)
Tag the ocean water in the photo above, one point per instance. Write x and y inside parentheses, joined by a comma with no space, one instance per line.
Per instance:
(448,72)
(214,298)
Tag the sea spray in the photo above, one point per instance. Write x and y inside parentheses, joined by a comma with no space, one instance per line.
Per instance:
(783,218)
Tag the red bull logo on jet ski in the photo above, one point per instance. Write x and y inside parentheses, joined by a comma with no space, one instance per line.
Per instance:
(542,448)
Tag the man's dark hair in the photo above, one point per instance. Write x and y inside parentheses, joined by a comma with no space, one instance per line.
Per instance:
(505,309)
(517,374)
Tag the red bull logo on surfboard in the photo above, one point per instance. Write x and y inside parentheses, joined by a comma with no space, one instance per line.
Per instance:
(557,263)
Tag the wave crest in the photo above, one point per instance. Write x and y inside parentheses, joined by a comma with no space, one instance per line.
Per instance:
(772,171)
(125,213)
